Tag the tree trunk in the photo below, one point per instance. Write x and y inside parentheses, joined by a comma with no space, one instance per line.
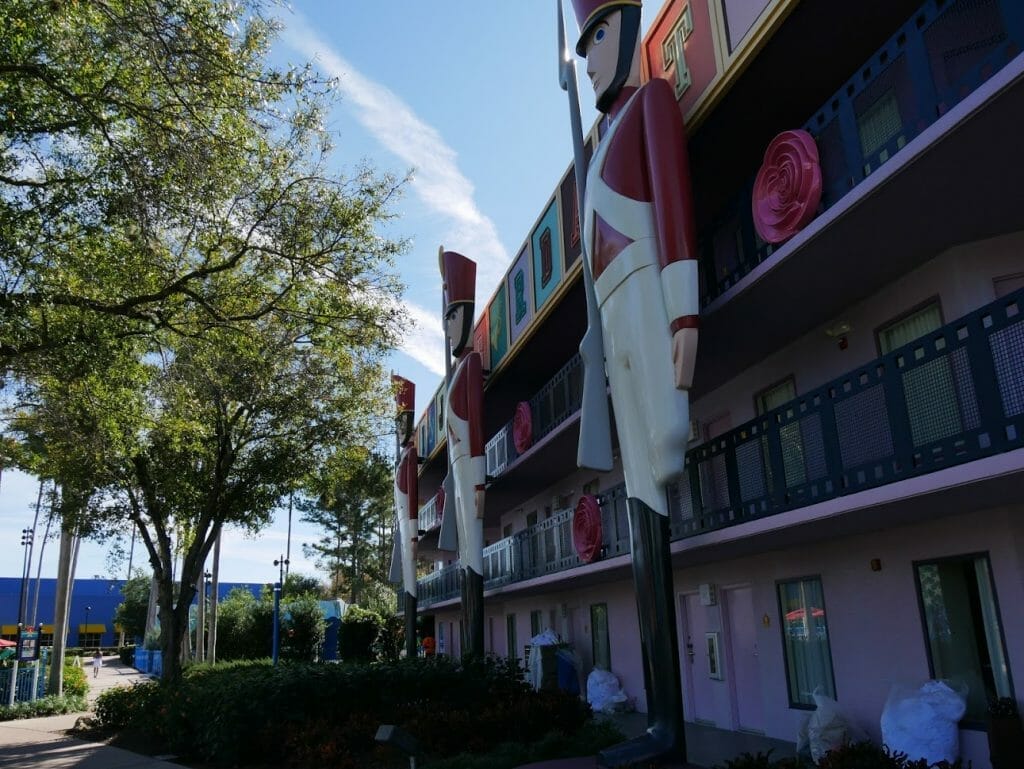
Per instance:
(60,613)
(214,601)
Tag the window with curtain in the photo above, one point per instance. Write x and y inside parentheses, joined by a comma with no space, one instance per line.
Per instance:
(600,645)
(909,327)
(963,629)
(805,641)
(776,395)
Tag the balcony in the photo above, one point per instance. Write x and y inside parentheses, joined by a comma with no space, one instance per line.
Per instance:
(953,396)
(428,517)
(946,175)
(930,64)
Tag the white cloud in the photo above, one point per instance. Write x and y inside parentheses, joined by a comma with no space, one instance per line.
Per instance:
(437,180)
(424,342)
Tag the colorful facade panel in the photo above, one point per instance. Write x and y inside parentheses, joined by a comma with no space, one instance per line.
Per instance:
(481,342)
(681,44)
(497,327)
(547,256)
(571,243)
(739,17)
(520,294)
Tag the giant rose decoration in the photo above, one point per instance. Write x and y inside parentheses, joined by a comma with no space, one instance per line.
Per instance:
(586,528)
(522,427)
(788,187)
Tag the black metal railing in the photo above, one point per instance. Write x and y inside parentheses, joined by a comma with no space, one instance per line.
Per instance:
(554,403)
(946,50)
(949,397)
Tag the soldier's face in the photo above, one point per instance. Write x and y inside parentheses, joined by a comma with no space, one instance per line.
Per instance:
(603,52)
(456,324)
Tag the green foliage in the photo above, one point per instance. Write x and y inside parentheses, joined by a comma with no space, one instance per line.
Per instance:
(857,755)
(327,715)
(357,634)
(130,614)
(124,707)
(244,626)
(353,504)
(50,705)
(76,684)
(126,654)
(302,629)
(189,280)
(591,737)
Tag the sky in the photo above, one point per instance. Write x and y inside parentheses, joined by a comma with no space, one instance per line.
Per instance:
(462,97)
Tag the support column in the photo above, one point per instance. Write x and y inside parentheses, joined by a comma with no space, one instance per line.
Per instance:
(472,614)
(665,739)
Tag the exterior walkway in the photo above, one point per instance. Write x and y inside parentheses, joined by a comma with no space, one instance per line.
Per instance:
(43,743)
(706,746)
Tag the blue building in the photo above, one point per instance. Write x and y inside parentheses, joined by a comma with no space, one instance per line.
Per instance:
(93,603)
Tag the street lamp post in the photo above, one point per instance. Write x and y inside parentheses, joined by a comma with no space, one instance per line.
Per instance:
(87,610)
(27,536)
(278,587)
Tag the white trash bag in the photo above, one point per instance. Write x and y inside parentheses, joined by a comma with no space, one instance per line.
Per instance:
(604,693)
(827,728)
(922,721)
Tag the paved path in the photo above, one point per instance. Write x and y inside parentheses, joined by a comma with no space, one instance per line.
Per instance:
(41,743)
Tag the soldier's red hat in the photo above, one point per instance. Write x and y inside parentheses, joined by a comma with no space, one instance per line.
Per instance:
(590,12)
(459,275)
(405,394)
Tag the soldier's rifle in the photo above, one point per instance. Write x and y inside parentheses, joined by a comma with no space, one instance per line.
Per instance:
(447,537)
(595,443)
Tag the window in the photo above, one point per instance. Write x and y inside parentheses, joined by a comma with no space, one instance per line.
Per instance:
(909,327)
(962,627)
(510,635)
(1007,284)
(536,621)
(877,126)
(775,396)
(673,51)
(599,636)
(88,639)
(805,641)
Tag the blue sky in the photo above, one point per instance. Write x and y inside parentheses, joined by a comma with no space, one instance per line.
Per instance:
(462,93)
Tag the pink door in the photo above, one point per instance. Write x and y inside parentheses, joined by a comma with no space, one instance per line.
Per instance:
(697,684)
(741,643)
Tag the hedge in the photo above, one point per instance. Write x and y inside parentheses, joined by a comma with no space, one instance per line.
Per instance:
(327,715)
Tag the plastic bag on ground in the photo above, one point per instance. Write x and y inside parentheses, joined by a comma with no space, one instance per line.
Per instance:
(922,721)
(604,693)
(827,728)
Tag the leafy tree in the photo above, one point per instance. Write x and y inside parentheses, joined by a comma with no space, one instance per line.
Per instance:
(297,585)
(195,308)
(244,626)
(130,614)
(146,149)
(355,510)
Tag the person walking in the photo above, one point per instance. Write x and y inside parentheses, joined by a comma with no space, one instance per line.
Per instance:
(97,663)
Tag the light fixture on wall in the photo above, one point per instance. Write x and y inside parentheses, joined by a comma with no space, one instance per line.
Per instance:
(839,331)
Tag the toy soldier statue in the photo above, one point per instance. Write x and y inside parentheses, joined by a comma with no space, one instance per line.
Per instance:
(639,238)
(464,417)
(407,502)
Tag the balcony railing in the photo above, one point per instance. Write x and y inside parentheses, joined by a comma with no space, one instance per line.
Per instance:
(558,400)
(427,517)
(939,56)
(952,396)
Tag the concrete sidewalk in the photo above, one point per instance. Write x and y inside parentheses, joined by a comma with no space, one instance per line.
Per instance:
(42,743)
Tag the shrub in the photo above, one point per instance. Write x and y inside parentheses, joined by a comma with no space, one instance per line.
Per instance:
(126,707)
(75,682)
(51,705)
(327,715)
(303,631)
(357,634)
